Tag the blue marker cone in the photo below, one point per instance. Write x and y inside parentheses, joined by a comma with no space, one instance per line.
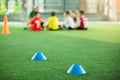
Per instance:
(76,69)
(39,56)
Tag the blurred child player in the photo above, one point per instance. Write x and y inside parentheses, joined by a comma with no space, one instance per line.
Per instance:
(32,15)
(35,22)
(53,22)
(83,21)
(74,16)
(68,21)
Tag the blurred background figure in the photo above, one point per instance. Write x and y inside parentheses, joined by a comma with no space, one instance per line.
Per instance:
(32,13)
(24,10)
(75,18)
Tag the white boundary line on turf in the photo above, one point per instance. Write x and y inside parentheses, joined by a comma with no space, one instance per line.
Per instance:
(91,22)
(104,22)
(14,23)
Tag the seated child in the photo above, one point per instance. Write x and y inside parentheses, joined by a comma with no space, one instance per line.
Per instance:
(76,21)
(83,22)
(68,21)
(32,15)
(36,23)
(53,22)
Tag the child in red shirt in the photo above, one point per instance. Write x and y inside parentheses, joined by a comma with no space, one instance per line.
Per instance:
(83,22)
(36,23)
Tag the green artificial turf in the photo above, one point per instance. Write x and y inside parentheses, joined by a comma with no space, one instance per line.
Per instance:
(97,50)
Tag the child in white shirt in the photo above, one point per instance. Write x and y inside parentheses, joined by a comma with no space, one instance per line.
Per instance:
(68,21)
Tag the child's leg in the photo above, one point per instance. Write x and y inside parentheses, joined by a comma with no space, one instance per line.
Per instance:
(60,28)
(27,27)
(79,28)
(69,28)
(42,24)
